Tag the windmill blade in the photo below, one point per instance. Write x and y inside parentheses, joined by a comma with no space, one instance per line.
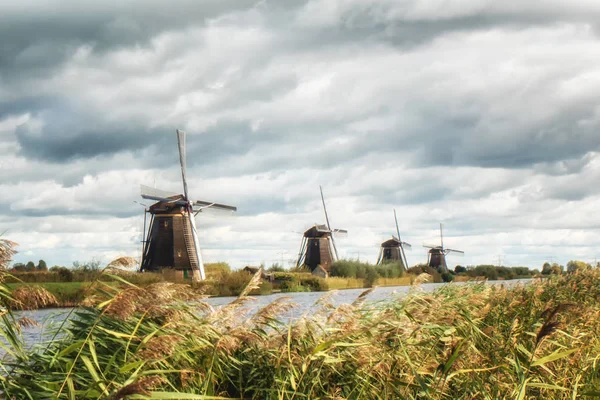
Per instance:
(197,246)
(325,208)
(328,225)
(342,233)
(182,161)
(160,195)
(404,260)
(406,245)
(454,251)
(441,235)
(397,228)
(215,206)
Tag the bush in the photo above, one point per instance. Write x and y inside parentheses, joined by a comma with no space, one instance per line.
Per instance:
(493,272)
(459,269)
(447,277)
(426,269)
(286,281)
(265,288)
(276,267)
(371,277)
(360,270)
(64,274)
(295,288)
(314,283)
(233,283)
(215,270)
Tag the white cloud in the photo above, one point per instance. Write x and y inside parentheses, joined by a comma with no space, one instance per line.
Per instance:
(479,114)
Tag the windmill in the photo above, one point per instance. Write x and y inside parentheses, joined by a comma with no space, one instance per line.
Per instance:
(392,250)
(171,241)
(437,254)
(318,244)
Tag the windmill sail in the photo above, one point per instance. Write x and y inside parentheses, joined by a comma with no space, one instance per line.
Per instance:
(328,225)
(182,161)
(400,241)
(207,204)
(150,193)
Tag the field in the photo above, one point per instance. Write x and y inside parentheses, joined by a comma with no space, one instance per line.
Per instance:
(540,340)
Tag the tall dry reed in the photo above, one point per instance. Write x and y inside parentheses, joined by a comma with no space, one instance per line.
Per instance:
(476,341)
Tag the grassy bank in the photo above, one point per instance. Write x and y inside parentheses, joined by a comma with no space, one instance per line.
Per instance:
(461,342)
(356,283)
(69,294)
(66,293)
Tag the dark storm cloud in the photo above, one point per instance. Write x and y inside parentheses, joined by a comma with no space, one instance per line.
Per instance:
(72,134)
(68,134)
(89,212)
(38,38)
(23,105)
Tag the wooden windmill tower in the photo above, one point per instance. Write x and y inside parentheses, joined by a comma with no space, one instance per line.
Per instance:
(392,250)
(172,239)
(436,256)
(318,244)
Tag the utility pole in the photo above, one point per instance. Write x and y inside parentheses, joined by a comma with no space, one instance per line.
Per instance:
(281,254)
(500,260)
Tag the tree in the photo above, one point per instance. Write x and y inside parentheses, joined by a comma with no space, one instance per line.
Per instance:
(19,267)
(42,266)
(459,269)
(64,274)
(575,265)
(557,269)
(371,277)
(88,266)
(546,269)
(30,266)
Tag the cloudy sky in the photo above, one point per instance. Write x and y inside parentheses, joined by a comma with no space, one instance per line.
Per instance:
(480,114)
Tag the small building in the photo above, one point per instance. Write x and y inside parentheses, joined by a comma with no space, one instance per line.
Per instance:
(251,269)
(320,272)
(264,275)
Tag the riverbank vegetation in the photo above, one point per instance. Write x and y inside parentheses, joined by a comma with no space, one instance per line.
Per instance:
(475,341)
(70,286)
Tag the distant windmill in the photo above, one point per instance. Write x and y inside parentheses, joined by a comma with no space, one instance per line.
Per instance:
(172,239)
(318,244)
(392,250)
(437,254)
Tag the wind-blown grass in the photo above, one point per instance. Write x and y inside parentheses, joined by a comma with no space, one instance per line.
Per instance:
(476,341)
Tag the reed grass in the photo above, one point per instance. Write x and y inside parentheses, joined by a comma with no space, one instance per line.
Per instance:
(475,341)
